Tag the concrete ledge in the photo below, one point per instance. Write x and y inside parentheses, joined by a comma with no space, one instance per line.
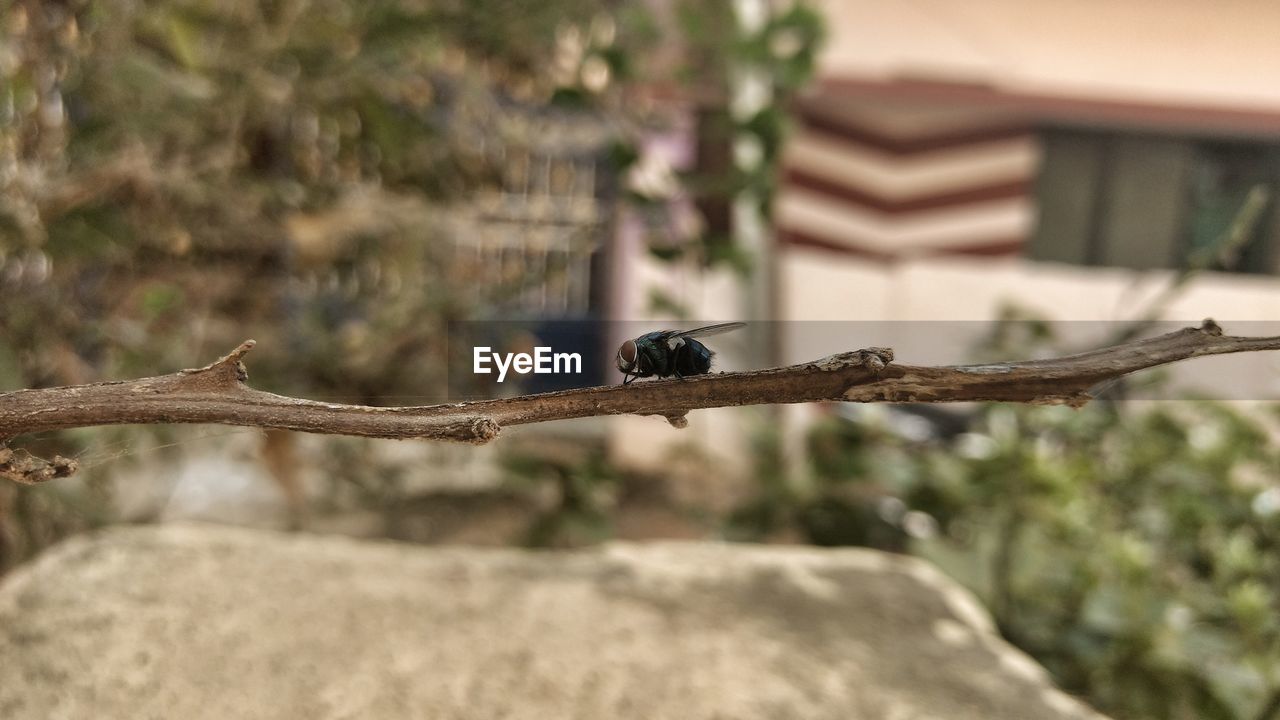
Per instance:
(210,622)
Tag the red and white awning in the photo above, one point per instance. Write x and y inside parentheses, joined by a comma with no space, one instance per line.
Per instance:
(899,179)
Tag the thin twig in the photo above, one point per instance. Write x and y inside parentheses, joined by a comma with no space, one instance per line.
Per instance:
(218,394)
(1224,251)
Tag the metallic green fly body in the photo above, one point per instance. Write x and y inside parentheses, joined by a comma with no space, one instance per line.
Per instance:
(665,353)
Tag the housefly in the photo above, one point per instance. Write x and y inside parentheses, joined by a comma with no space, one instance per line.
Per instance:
(669,352)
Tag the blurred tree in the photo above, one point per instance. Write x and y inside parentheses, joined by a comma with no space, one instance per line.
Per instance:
(1130,549)
(183,173)
(177,175)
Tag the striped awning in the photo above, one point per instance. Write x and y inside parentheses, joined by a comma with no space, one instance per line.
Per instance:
(894,179)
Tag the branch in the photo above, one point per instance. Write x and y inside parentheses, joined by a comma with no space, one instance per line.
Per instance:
(218,394)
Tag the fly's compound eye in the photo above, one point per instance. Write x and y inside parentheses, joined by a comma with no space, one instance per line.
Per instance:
(627,355)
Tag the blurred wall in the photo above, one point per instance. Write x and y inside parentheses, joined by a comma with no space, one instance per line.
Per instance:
(1220,53)
(936,310)
(916,178)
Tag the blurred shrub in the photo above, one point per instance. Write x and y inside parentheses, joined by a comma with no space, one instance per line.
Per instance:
(1131,552)
(182,174)
(1131,549)
(178,175)
(581,488)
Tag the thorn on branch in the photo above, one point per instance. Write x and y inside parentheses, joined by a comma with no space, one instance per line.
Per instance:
(874,359)
(678,420)
(23,467)
(476,431)
(226,372)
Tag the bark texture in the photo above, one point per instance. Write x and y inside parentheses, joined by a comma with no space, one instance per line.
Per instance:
(218,393)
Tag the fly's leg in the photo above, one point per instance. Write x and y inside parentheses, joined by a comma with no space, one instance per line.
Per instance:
(626,379)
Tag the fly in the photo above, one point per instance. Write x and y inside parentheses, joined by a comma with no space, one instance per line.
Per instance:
(669,352)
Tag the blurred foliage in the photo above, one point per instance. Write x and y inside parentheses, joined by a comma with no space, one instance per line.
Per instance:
(178,175)
(1129,547)
(583,490)
(744,80)
(182,174)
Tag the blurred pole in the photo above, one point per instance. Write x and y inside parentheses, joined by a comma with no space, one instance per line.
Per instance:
(751,91)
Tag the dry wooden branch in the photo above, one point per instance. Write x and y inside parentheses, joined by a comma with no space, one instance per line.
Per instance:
(218,394)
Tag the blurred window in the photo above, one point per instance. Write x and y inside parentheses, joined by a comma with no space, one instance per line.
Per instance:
(1144,201)
(532,245)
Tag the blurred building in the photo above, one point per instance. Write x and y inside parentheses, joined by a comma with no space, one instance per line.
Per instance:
(956,158)
(1093,133)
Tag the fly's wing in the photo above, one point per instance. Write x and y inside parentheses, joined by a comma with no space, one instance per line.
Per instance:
(710,330)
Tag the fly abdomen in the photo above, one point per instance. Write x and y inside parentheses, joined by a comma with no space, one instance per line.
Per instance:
(692,358)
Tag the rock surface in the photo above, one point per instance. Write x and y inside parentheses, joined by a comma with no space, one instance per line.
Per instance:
(205,622)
